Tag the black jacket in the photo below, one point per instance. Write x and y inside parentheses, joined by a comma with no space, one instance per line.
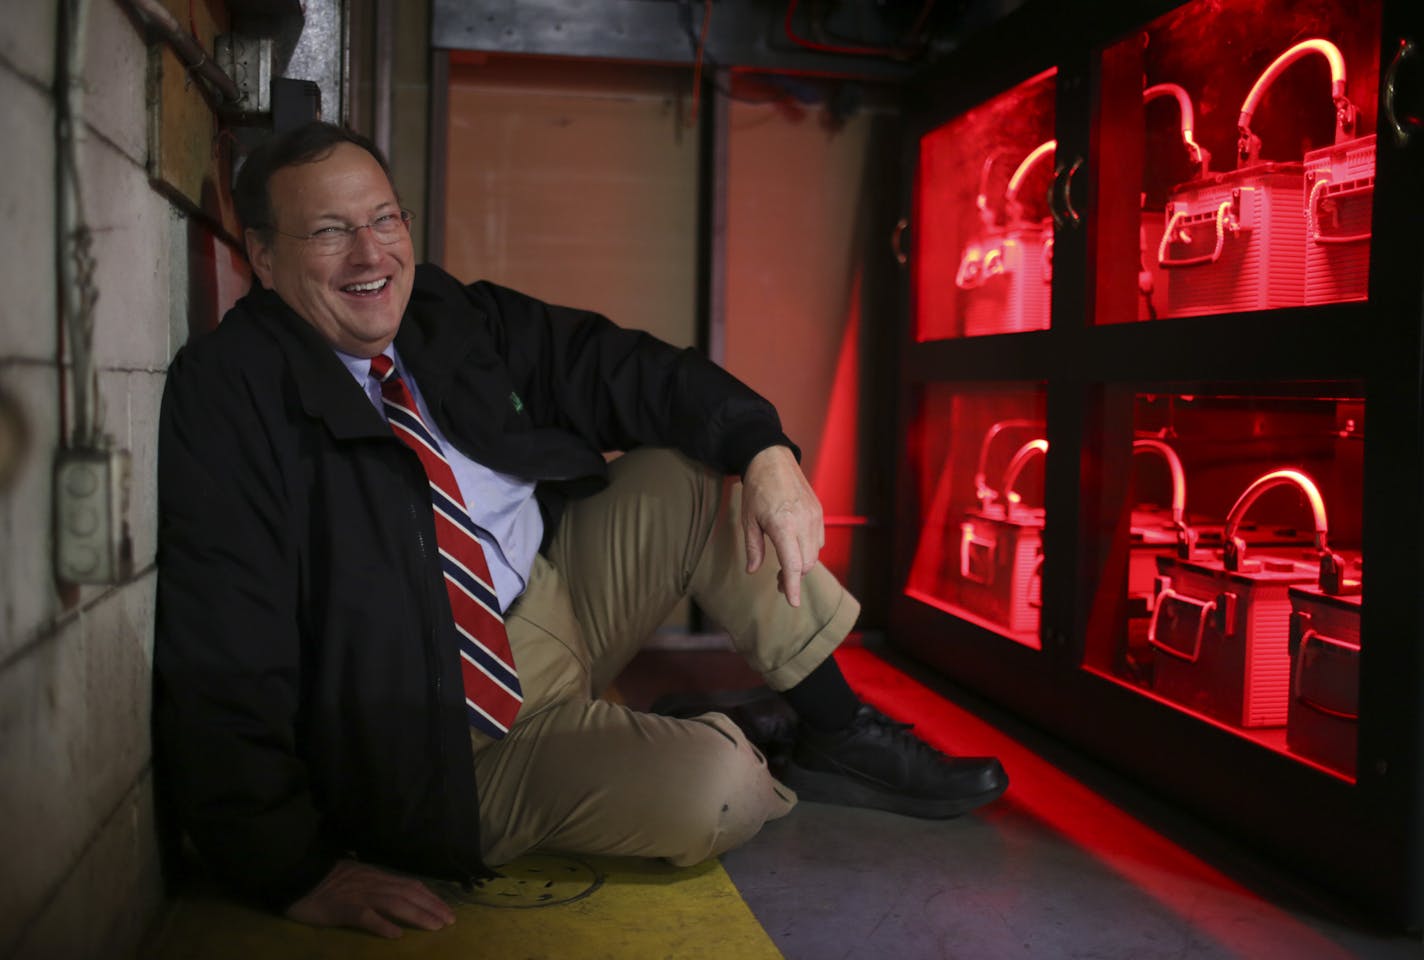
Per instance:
(308,703)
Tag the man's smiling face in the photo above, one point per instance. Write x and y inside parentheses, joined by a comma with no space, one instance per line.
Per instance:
(354,299)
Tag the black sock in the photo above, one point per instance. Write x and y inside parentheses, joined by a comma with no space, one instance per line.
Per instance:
(824,700)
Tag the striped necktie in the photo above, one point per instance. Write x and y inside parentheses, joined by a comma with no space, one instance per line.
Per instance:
(492,693)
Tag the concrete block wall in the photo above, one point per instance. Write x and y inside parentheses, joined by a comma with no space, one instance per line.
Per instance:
(79,874)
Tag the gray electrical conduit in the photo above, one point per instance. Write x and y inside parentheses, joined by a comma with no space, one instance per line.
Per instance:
(74,243)
(194,57)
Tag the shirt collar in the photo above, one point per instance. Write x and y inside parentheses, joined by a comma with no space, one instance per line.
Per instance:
(360,367)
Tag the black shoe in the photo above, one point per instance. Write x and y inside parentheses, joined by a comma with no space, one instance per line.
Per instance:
(764,717)
(878,763)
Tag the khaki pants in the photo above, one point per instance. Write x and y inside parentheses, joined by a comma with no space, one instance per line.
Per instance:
(582,775)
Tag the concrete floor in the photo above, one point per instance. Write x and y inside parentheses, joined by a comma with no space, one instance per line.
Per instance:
(1073,862)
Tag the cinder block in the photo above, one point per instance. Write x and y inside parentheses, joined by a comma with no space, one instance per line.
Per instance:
(145,395)
(110,898)
(28,595)
(115,80)
(130,223)
(27,41)
(74,739)
(115,743)
(45,819)
(180,262)
(28,325)
(131,400)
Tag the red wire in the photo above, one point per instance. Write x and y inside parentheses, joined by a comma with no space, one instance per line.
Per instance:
(697,65)
(833,48)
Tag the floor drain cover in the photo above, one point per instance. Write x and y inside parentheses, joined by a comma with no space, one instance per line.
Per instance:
(536,880)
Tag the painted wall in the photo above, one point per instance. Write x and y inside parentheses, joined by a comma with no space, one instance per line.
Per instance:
(79,876)
(576,183)
(808,266)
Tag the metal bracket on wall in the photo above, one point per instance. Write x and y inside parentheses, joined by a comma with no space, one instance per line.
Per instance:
(248,60)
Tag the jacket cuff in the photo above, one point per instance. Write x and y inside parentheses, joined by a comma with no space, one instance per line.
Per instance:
(301,881)
(743,445)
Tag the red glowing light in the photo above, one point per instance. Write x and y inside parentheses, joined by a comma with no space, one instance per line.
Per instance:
(1211,902)
(834,478)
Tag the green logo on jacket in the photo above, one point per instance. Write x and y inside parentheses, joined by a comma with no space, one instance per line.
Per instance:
(518,404)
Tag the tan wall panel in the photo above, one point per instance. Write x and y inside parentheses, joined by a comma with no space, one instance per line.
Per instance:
(793,252)
(576,183)
(584,195)
(801,199)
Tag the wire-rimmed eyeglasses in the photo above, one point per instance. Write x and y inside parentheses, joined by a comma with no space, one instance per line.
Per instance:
(334,240)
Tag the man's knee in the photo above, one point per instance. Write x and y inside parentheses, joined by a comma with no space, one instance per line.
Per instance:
(665,495)
(729,795)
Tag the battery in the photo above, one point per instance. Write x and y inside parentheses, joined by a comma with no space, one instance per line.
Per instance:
(1001,555)
(1323,718)
(1236,241)
(1339,194)
(1224,636)
(1014,291)
(1223,623)
(1000,561)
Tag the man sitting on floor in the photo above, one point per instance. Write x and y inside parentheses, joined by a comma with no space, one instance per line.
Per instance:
(396,571)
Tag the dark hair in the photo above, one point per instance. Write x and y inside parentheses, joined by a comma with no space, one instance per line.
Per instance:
(305,144)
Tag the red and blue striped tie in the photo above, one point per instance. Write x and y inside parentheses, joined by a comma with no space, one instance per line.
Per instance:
(492,693)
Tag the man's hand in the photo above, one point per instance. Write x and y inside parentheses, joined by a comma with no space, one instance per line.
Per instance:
(778,503)
(362,896)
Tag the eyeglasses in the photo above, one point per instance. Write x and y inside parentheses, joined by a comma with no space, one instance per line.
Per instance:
(334,240)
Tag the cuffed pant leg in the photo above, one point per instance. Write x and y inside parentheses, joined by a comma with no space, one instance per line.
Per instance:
(783,643)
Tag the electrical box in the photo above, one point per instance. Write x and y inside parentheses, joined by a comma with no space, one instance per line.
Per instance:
(248,60)
(91,493)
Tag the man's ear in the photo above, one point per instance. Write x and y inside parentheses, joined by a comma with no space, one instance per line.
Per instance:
(259,254)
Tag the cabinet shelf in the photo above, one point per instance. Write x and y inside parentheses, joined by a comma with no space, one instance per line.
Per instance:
(1294,343)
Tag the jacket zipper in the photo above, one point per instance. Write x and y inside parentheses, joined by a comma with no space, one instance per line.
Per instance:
(466,879)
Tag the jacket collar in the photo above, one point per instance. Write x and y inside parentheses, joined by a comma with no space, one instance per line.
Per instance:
(326,389)
(430,344)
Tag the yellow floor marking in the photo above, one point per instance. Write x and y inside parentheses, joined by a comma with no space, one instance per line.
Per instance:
(641,910)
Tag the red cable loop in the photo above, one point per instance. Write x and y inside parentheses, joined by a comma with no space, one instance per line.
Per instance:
(799,40)
(697,66)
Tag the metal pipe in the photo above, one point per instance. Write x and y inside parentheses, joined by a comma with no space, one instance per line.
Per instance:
(1034,448)
(1248,144)
(982,491)
(75,251)
(382,84)
(1323,47)
(1187,117)
(194,57)
(1017,179)
(1179,476)
(1276,479)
